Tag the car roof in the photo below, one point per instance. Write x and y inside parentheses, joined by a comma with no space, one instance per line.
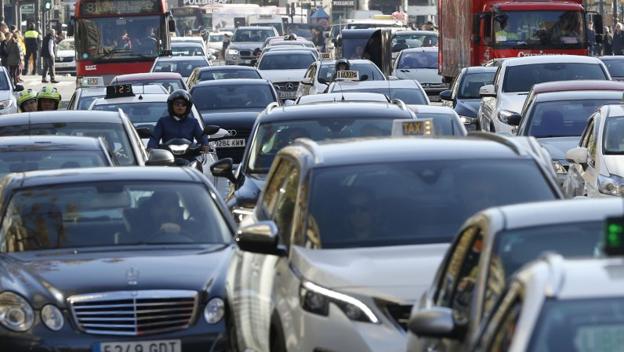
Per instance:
(187,39)
(431,109)
(189,43)
(341,97)
(34,143)
(91,91)
(544,59)
(422,49)
(181,58)
(232,82)
(612,58)
(60,116)
(68,176)
(559,212)
(145,98)
(255,27)
(399,149)
(608,111)
(287,52)
(481,69)
(580,85)
(416,32)
(579,95)
(396,83)
(355,61)
(226,68)
(331,110)
(147,76)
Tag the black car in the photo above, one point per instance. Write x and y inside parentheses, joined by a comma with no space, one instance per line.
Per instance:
(277,127)
(29,153)
(464,93)
(233,104)
(122,140)
(615,65)
(212,73)
(106,259)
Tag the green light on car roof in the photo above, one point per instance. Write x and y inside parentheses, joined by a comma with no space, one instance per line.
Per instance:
(614,241)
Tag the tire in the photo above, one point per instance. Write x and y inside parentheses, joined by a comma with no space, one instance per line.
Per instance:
(276,336)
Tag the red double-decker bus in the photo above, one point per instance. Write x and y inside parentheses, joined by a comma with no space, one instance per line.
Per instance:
(115,37)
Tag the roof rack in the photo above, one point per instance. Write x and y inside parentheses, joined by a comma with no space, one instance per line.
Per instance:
(272,106)
(498,139)
(400,103)
(312,147)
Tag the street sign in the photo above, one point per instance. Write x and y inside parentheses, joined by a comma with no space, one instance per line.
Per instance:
(27,9)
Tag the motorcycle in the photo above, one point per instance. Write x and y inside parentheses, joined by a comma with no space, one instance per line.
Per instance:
(185,152)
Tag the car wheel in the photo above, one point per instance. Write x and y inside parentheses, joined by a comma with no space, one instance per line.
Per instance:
(277,340)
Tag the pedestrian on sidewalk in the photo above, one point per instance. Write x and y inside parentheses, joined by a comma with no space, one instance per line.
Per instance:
(618,40)
(32,40)
(3,52)
(14,57)
(607,42)
(48,54)
(20,41)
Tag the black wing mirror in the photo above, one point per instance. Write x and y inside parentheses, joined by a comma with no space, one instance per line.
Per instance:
(511,118)
(224,168)
(144,132)
(446,95)
(261,238)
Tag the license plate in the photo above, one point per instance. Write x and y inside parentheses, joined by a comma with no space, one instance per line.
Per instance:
(231,143)
(287,95)
(142,346)
(246,61)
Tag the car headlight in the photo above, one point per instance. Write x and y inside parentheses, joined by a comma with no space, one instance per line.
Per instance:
(52,317)
(232,52)
(316,299)
(560,167)
(178,149)
(214,311)
(611,185)
(15,312)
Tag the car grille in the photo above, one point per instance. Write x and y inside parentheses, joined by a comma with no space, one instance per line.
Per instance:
(134,313)
(400,313)
(64,59)
(286,86)
(245,53)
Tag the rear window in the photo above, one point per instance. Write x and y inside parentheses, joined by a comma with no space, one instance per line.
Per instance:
(520,79)
(286,62)
(411,96)
(472,82)
(373,73)
(212,75)
(22,161)
(184,68)
(224,97)
(425,59)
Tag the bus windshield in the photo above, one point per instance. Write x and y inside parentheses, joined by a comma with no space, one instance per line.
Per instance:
(110,38)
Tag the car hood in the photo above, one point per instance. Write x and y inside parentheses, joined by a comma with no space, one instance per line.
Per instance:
(243,118)
(558,146)
(396,273)
(66,53)
(614,164)
(246,45)
(422,75)
(52,276)
(511,101)
(467,107)
(283,75)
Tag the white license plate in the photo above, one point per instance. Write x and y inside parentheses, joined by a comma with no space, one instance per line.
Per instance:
(143,346)
(287,95)
(231,143)
(246,61)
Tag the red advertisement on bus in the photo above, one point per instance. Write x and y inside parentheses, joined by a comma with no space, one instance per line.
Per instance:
(116,37)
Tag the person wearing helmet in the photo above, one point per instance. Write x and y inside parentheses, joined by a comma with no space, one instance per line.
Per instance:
(27,101)
(178,124)
(48,99)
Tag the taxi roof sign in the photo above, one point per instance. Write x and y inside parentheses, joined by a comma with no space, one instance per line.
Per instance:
(348,75)
(614,236)
(92,82)
(421,127)
(119,91)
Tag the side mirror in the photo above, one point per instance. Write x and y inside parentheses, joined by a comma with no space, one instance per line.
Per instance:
(487,91)
(436,322)
(261,238)
(307,81)
(511,118)
(160,157)
(577,155)
(171,25)
(446,95)
(211,129)
(224,168)
(18,88)
(144,132)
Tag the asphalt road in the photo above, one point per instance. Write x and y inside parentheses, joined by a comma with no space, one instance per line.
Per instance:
(66,85)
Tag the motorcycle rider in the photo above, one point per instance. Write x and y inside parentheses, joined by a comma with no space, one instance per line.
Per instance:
(27,101)
(48,99)
(178,124)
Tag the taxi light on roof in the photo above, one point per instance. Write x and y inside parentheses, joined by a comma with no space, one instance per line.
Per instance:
(92,82)
(614,240)
(119,91)
(421,127)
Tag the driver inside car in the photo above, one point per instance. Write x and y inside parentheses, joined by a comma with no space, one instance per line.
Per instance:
(178,124)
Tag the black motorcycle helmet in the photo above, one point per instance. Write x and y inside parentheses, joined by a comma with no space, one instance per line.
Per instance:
(180,94)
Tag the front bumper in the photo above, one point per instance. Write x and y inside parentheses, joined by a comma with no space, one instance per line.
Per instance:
(199,337)
(245,60)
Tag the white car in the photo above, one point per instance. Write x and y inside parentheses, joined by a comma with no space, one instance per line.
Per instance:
(410,92)
(321,73)
(198,40)
(8,102)
(516,77)
(421,64)
(285,69)
(65,60)
(597,164)
(215,40)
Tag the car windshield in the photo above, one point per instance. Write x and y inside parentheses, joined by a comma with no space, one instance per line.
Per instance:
(183,67)
(138,112)
(230,96)
(252,35)
(113,134)
(271,137)
(22,161)
(614,135)
(615,67)
(402,41)
(443,124)
(213,38)
(286,61)
(563,118)
(520,79)
(214,74)
(539,29)
(410,96)
(424,59)
(327,71)
(85,102)
(186,50)
(105,38)
(111,214)
(472,82)
(413,202)
(580,325)
(66,45)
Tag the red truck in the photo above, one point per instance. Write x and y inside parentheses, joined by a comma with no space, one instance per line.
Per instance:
(473,32)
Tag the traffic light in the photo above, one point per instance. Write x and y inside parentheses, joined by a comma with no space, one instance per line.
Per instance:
(47,5)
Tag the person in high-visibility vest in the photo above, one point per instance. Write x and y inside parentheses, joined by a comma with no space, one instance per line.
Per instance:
(32,39)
